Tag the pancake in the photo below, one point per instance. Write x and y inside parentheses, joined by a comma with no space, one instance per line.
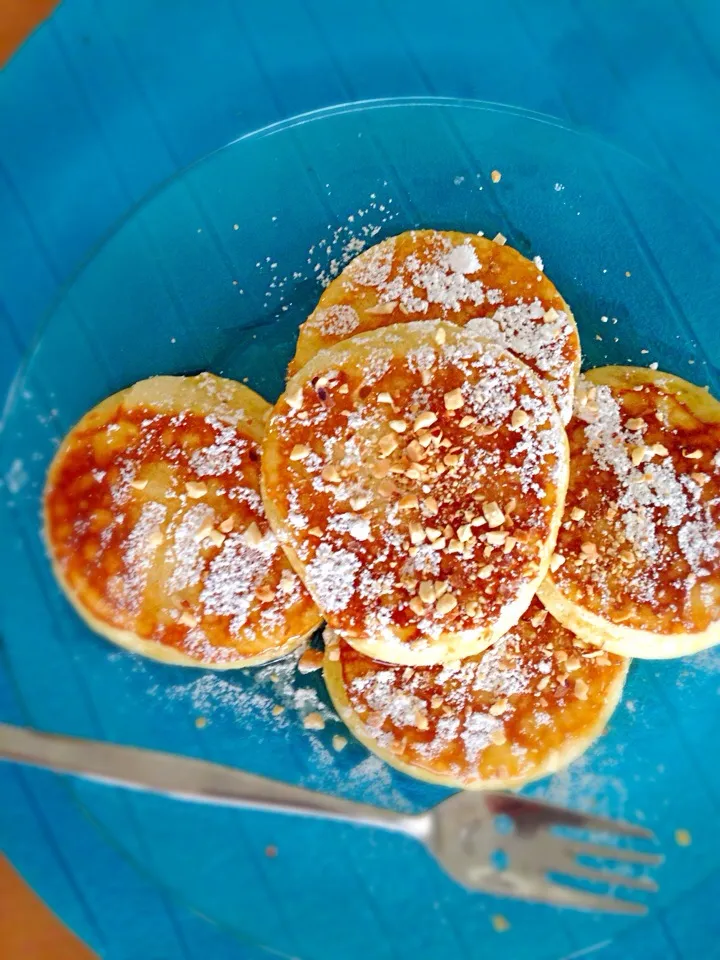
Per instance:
(156,529)
(463,278)
(415,476)
(641,535)
(521,710)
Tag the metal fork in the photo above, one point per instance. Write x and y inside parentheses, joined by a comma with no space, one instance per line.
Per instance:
(464,832)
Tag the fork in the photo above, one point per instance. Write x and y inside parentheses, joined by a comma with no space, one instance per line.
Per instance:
(465,832)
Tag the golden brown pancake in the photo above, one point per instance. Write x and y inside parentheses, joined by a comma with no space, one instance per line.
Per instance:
(639,547)
(463,278)
(415,476)
(526,707)
(156,528)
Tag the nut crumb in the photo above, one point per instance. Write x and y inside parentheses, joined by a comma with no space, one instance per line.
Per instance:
(495,176)
(339,742)
(313,721)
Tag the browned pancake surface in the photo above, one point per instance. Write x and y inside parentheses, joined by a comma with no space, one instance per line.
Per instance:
(416,476)
(519,710)
(156,526)
(462,278)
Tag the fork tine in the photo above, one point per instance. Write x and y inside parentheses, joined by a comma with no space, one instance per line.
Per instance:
(602,851)
(553,815)
(562,896)
(612,879)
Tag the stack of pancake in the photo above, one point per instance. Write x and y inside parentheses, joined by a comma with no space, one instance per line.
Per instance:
(488,535)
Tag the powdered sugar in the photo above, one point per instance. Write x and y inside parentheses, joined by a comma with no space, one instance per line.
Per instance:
(224,454)
(331,577)
(185,556)
(234,574)
(338,320)
(138,552)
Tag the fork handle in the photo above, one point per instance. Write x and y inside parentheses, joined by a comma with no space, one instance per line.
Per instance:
(188,779)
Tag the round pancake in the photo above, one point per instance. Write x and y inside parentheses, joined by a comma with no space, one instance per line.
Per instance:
(415,476)
(156,529)
(460,277)
(641,534)
(521,710)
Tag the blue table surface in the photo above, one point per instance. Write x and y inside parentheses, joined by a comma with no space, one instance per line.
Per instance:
(107,100)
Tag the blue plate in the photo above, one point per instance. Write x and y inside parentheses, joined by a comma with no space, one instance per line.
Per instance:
(215,271)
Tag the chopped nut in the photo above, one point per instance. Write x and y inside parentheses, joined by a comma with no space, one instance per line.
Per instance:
(542,682)
(388,444)
(440,336)
(454,399)
(493,514)
(343,388)
(138,484)
(421,721)
(436,701)
(314,721)
(683,837)
(360,501)
(464,533)
(417,534)
(227,525)
(252,535)
(426,592)
(496,538)
(537,619)
(399,426)
(432,533)
(380,469)
(387,488)
(300,451)
(277,709)
(415,451)
(556,561)
(486,571)
(693,454)
(577,513)
(425,438)
(187,619)
(659,450)
(310,661)
(385,398)
(380,309)
(700,478)
(441,588)
(519,417)
(408,502)
(216,538)
(471,608)
(455,547)
(509,544)
(498,736)
(635,423)
(589,549)
(452,459)
(439,544)
(315,532)
(195,490)
(430,506)
(425,377)
(500,706)
(445,604)
(550,315)
(467,420)
(294,396)
(495,176)
(637,455)
(572,664)
(499,239)
(417,606)
(424,420)
(581,690)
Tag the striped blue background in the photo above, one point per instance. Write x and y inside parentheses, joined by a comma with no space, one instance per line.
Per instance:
(108,99)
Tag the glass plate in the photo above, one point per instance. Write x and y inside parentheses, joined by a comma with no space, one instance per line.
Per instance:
(215,271)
